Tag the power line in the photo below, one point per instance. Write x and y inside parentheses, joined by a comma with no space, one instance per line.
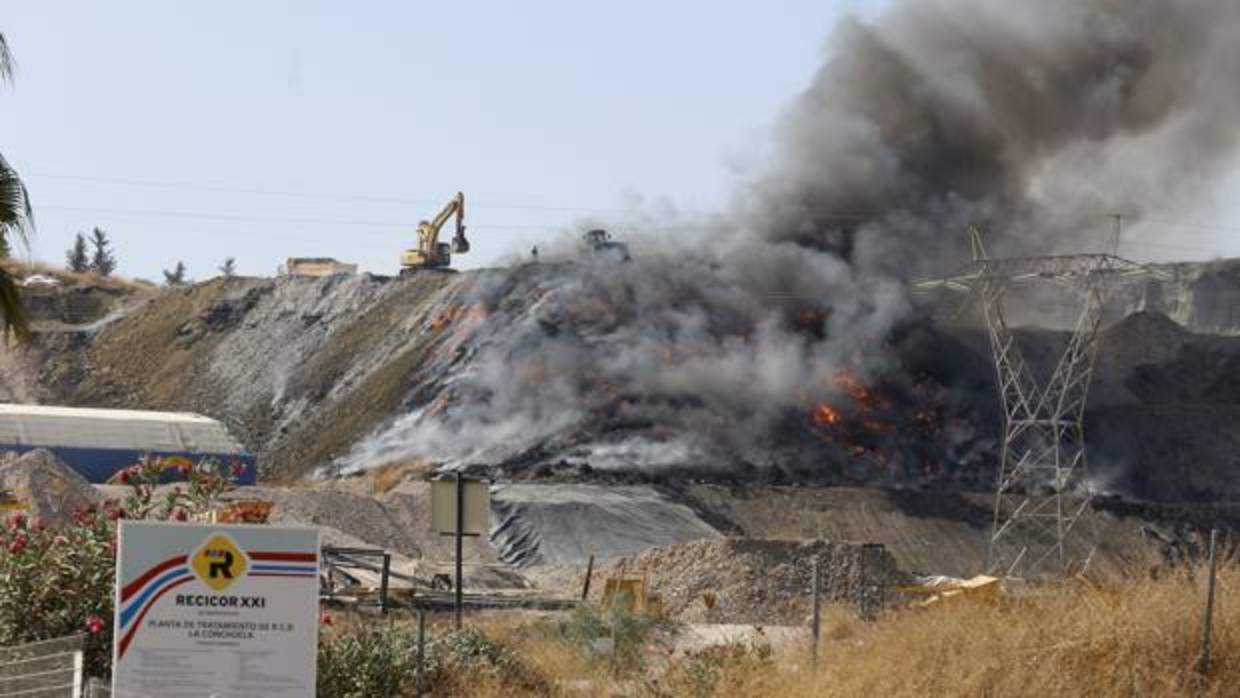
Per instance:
(310,195)
(700,227)
(204,215)
(245,218)
(1198,226)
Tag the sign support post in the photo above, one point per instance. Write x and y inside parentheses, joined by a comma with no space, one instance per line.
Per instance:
(460,539)
(460,507)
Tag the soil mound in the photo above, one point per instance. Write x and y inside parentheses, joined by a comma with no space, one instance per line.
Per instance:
(768,582)
(560,524)
(51,490)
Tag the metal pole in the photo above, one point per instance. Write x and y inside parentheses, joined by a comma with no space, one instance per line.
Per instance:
(1204,665)
(77,674)
(383,583)
(585,590)
(460,537)
(421,653)
(816,626)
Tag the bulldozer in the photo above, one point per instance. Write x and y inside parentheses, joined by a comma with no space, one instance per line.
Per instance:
(430,252)
(600,245)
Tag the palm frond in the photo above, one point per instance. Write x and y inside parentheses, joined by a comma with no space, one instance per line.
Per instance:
(14,318)
(7,64)
(16,215)
(16,223)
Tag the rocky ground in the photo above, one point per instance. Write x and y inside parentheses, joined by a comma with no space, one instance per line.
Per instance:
(314,373)
(319,375)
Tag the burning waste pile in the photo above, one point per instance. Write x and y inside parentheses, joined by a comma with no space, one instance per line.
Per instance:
(785,342)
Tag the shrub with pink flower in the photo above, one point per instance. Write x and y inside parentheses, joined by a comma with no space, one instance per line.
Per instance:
(58,580)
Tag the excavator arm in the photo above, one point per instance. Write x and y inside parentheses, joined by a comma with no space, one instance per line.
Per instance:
(430,253)
(428,234)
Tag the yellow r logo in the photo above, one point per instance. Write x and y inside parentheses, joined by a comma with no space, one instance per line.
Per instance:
(219,562)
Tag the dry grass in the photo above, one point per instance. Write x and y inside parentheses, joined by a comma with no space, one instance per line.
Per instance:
(1139,638)
(27,268)
(386,477)
(1135,638)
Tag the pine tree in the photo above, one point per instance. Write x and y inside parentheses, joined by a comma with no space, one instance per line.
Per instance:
(103,262)
(176,277)
(77,259)
(229,267)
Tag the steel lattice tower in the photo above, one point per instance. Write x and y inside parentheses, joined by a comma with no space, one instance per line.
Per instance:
(1041,488)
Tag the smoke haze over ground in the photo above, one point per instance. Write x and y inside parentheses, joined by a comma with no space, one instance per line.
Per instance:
(1032,120)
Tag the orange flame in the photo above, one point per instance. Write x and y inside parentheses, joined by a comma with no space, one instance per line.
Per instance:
(826,415)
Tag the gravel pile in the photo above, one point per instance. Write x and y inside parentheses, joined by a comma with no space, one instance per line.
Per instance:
(764,582)
(52,489)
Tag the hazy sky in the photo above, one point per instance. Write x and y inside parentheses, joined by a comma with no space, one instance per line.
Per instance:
(271,129)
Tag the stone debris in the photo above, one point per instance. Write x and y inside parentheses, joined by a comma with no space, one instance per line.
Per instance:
(51,490)
(755,581)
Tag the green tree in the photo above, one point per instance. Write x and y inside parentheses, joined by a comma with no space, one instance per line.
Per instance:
(229,267)
(77,259)
(102,262)
(176,277)
(16,225)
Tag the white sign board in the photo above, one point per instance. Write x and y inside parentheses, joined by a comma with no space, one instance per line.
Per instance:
(215,611)
(477,498)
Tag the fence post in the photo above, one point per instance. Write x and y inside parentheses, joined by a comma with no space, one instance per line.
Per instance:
(383,583)
(816,626)
(1203,665)
(585,589)
(420,682)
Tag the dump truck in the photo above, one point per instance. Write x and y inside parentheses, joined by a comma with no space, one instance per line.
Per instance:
(317,266)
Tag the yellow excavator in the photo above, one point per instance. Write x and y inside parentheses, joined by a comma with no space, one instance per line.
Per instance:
(430,252)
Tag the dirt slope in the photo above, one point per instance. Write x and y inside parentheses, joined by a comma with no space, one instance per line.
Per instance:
(926,533)
(354,371)
(298,368)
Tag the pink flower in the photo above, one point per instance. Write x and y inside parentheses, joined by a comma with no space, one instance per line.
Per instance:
(237,469)
(18,544)
(183,469)
(124,476)
(94,625)
(59,540)
(117,513)
(38,524)
(16,520)
(325,618)
(179,514)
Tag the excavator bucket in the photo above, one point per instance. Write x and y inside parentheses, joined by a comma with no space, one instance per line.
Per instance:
(459,244)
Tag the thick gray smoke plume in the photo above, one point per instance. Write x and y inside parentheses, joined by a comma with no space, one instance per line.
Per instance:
(1031,119)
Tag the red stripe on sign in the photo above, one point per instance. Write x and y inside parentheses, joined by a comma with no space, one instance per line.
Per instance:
(283,574)
(137,623)
(136,585)
(285,557)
